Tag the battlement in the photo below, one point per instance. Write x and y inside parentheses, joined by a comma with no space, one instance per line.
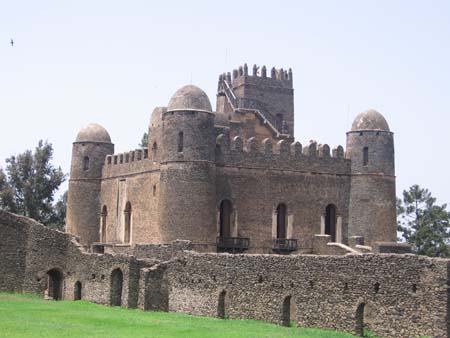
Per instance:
(277,78)
(283,155)
(131,162)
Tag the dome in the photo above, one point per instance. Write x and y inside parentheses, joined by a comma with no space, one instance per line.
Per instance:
(93,132)
(189,98)
(155,119)
(370,120)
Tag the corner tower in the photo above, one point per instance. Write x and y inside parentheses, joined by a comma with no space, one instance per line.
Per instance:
(187,170)
(370,146)
(89,150)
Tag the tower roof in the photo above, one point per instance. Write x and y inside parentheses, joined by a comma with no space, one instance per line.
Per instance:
(93,132)
(370,120)
(189,98)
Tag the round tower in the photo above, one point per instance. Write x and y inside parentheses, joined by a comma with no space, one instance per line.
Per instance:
(83,202)
(188,171)
(370,147)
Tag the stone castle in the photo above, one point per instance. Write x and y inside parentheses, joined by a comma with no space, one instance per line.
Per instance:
(233,179)
(224,215)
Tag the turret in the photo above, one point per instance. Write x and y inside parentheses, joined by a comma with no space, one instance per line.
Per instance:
(187,195)
(370,147)
(89,150)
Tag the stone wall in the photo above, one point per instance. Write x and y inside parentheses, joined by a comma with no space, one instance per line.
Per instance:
(30,250)
(404,295)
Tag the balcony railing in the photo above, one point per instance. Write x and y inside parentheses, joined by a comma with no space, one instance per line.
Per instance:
(284,245)
(232,244)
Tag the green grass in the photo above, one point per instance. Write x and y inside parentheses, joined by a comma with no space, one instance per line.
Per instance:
(30,316)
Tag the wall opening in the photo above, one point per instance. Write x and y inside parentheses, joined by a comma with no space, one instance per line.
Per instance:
(180,141)
(359,330)
(86,163)
(116,287)
(221,312)
(77,291)
(127,223)
(154,150)
(225,218)
(103,223)
(281,221)
(330,221)
(286,311)
(54,284)
(365,155)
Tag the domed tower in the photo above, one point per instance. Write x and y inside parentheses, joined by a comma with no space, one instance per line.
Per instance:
(188,171)
(83,202)
(370,146)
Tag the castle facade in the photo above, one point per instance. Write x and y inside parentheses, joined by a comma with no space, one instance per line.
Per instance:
(234,179)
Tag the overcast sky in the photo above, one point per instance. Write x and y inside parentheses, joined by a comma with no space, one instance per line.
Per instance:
(112,62)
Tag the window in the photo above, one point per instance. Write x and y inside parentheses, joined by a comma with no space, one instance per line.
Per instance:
(86,163)
(154,149)
(103,223)
(154,190)
(180,141)
(366,155)
(127,225)
(330,221)
(281,221)
(226,209)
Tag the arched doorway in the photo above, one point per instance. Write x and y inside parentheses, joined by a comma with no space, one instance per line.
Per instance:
(359,330)
(116,287)
(286,311)
(77,291)
(54,284)
(127,223)
(281,221)
(330,221)
(225,218)
(103,225)
(221,313)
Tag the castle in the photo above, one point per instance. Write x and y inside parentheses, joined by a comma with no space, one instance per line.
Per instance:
(233,179)
(224,215)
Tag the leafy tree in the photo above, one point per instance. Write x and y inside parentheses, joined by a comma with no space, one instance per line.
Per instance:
(424,225)
(144,141)
(28,185)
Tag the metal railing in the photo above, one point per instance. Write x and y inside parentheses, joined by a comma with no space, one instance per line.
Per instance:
(284,245)
(232,244)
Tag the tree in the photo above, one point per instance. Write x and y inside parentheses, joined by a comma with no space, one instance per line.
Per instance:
(28,185)
(144,141)
(424,225)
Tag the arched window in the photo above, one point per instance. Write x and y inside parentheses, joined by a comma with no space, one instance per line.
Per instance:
(54,284)
(154,190)
(116,287)
(365,155)
(86,163)
(154,149)
(127,223)
(103,223)
(226,209)
(330,221)
(77,291)
(180,142)
(281,221)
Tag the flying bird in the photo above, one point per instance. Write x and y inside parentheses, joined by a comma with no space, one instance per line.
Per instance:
(12,43)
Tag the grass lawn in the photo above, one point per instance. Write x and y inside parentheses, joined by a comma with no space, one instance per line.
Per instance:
(30,316)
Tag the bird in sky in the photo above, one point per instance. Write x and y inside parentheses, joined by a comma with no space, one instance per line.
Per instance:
(12,43)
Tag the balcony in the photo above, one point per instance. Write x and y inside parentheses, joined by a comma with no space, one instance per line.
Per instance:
(232,244)
(284,245)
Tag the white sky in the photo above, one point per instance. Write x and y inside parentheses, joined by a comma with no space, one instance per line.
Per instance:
(112,62)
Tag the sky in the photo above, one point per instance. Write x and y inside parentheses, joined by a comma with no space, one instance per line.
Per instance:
(112,62)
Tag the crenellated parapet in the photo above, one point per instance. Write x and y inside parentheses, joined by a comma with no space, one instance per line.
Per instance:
(283,155)
(128,163)
(278,78)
